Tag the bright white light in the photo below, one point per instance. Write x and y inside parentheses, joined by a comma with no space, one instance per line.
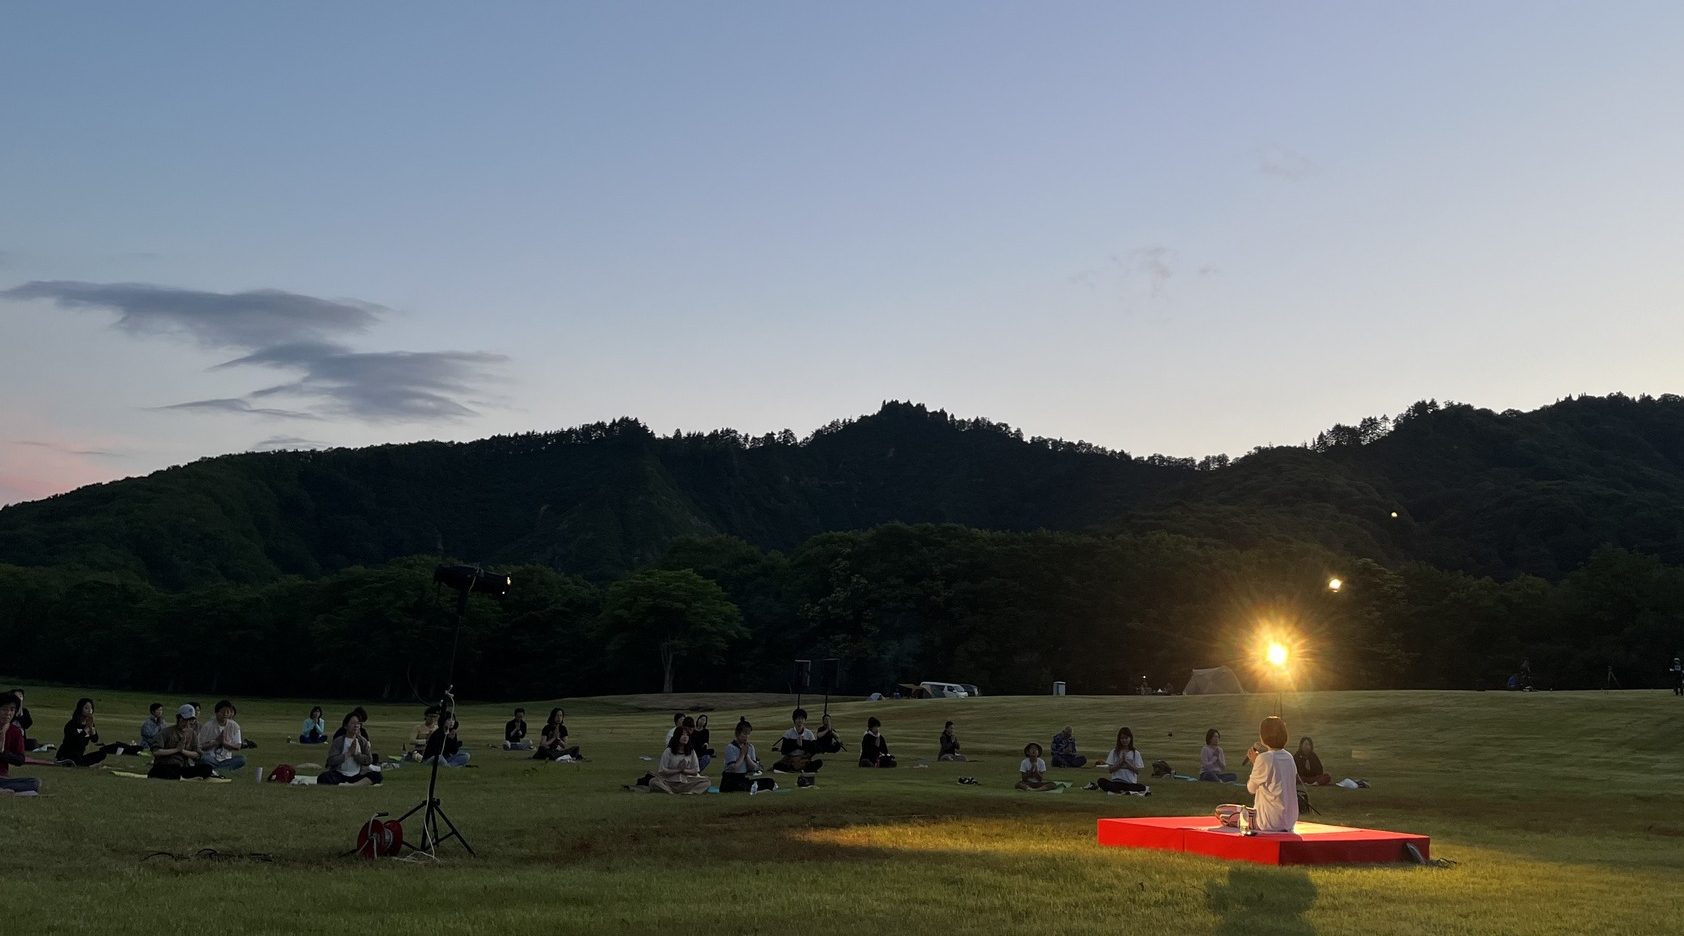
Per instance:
(1276,654)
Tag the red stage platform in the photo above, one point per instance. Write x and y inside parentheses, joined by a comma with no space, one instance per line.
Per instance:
(1308,843)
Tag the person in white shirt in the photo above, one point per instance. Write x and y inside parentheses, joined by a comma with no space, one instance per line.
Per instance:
(1124,764)
(1032,770)
(350,759)
(1273,785)
(220,740)
(797,747)
(742,765)
(678,771)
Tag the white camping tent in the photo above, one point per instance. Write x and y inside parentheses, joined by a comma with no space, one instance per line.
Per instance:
(1217,679)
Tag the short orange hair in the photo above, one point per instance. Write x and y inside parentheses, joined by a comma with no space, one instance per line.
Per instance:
(1273,732)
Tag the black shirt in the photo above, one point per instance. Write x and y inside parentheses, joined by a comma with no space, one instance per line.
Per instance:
(873,746)
(451,744)
(76,740)
(515,731)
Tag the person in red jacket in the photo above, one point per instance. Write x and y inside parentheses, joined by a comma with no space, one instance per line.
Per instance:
(12,751)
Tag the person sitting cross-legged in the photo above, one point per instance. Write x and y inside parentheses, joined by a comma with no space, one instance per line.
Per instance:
(874,748)
(742,767)
(423,732)
(153,727)
(1032,771)
(444,743)
(1124,764)
(350,759)
(950,744)
(177,754)
(13,751)
(678,771)
(1213,764)
(1064,750)
(314,729)
(1273,784)
(220,740)
(796,746)
(514,733)
(826,740)
(1310,772)
(552,740)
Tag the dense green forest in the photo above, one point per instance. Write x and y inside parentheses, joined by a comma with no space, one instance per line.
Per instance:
(910,544)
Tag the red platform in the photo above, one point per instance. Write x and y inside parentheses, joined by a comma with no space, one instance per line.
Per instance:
(1308,843)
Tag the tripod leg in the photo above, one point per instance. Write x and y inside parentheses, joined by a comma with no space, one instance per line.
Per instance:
(457,833)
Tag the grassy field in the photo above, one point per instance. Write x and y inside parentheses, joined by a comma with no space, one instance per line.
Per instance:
(1564,812)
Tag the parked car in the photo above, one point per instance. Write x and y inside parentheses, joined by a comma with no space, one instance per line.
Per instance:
(971,690)
(944,690)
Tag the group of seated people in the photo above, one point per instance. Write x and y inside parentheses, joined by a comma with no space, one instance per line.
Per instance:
(1213,761)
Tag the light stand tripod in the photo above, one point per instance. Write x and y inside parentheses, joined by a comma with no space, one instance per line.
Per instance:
(464,579)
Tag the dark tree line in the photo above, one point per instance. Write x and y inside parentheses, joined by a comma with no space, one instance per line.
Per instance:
(1010,612)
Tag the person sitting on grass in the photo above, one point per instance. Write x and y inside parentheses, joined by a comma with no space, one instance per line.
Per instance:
(362,725)
(81,747)
(177,756)
(13,751)
(796,745)
(1032,771)
(424,731)
(678,771)
(874,748)
(350,760)
(742,767)
(1273,784)
(153,727)
(25,721)
(826,740)
(552,741)
(1064,750)
(1124,764)
(514,733)
(314,729)
(1309,765)
(221,740)
(950,745)
(677,723)
(1213,764)
(443,742)
(700,742)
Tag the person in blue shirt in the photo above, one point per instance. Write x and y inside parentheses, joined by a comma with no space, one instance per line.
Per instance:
(315,728)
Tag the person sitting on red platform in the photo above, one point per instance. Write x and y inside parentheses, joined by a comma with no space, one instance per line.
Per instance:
(1125,763)
(1309,765)
(1273,785)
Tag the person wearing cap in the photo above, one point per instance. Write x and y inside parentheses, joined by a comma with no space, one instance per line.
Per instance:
(177,756)
(12,748)
(220,741)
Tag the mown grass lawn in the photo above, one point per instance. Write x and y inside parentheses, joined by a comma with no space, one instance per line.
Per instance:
(1564,812)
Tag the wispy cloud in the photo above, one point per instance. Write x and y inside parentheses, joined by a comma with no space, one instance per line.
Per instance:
(67,450)
(251,319)
(237,405)
(280,443)
(1282,163)
(290,332)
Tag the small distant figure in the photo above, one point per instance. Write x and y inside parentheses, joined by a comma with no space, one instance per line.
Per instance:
(552,740)
(153,727)
(1032,771)
(826,740)
(444,746)
(1213,763)
(13,751)
(25,721)
(220,740)
(950,745)
(797,746)
(1310,772)
(1677,672)
(1273,785)
(677,722)
(701,742)
(874,748)
(1064,750)
(514,733)
(81,747)
(314,729)
(1611,681)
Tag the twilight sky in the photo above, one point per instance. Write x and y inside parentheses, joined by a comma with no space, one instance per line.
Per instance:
(1183,228)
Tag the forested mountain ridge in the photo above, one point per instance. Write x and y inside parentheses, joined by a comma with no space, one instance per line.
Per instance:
(1473,490)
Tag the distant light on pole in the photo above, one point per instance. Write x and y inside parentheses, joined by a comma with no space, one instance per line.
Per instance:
(1334,584)
(1276,655)
(1394,515)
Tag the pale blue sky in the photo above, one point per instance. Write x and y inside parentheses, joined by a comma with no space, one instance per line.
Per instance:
(1185,228)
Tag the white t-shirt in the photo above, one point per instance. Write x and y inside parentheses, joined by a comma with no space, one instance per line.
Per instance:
(735,762)
(231,740)
(1123,765)
(351,746)
(1037,765)
(1274,783)
(805,734)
